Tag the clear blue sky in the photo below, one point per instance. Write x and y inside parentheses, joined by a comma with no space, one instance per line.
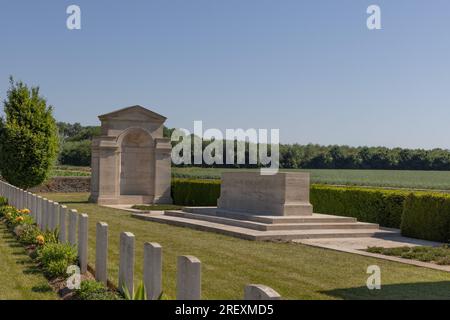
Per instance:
(310,68)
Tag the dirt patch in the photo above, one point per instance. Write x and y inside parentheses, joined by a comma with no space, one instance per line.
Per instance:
(64,184)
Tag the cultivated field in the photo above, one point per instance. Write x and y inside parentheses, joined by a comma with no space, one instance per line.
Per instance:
(439,180)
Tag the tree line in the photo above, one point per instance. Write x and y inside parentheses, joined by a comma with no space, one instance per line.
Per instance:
(76,142)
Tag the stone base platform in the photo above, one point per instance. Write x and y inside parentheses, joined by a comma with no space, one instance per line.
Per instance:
(255,227)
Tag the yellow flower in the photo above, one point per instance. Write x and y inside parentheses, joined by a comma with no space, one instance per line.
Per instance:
(25,211)
(40,239)
(19,219)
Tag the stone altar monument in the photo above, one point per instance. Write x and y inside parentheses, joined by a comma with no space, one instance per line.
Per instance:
(283,194)
(131,161)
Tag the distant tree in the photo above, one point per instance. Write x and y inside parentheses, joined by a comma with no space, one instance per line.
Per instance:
(76,153)
(28,137)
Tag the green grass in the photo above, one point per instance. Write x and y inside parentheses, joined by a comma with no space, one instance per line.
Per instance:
(438,255)
(157,207)
(438,180)
(20,277)
(228,264)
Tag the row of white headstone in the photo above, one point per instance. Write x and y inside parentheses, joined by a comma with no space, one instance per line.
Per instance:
(73,229)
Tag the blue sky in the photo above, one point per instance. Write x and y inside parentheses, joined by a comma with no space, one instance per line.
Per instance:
(310,68)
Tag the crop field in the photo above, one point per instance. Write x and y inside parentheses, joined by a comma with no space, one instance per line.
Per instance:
(437,180)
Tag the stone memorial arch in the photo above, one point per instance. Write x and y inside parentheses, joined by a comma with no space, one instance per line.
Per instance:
(131,161)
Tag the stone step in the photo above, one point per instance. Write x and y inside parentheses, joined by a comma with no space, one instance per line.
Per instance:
(317,224)
(249,234)
(315,217)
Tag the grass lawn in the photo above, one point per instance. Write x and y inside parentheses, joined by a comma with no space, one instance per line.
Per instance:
(20,279)
(228,264)
(438,180)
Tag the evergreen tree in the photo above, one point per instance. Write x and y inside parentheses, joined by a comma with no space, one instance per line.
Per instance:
(28,137)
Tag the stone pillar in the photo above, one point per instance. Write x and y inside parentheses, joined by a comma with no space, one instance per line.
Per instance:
(50,214)
(62,224)
(163,173)
(83,242)
(101,252)
(73,217)
(153,270)
(126,266)
(189,281)
(260,292)
(44,218)
(105,172)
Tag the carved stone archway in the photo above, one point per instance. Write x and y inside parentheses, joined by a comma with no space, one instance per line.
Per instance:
(131,161)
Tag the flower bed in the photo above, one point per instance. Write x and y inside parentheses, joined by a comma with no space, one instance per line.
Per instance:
(53,257)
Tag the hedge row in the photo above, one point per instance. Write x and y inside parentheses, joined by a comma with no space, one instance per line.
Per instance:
(427,216)
(418,214)
(188,192)
(381,206)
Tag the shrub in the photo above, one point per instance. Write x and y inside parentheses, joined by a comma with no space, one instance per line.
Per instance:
(28,234)
(3,201)
(380,206)
(188,192)
(76,153)
(427,216)
(28,137)
(56,257)
(93,290)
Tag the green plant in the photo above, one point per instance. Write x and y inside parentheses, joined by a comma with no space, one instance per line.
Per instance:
(140,293)
(51,236)
(28,137)
(28,234)
(93,290)
(438,255)
(3,201)
(56,257)
(427,216)
(76,153)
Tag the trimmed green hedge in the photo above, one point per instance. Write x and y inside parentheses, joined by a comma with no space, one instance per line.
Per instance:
(380,206)
(186,192)
(427,216)
(418,214)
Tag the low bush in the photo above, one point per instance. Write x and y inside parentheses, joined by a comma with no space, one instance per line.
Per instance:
(3,201)
(439,255)
(186,192)
(93,290)
(427,216)
(56,257)
(28,234)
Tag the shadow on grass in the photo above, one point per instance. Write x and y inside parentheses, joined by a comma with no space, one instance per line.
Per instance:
(402,291)
(42,288)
